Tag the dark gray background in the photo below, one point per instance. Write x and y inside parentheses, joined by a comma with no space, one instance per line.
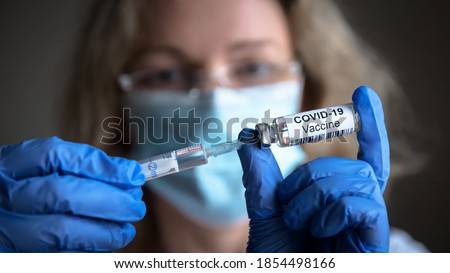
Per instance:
(38,40)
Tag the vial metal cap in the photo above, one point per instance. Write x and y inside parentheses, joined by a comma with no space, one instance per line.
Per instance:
(265,137)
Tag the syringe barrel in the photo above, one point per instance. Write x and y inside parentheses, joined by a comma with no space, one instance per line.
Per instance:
(191,156)
(174,161)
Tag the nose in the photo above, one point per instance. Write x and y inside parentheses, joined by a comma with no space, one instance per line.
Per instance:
(208,80)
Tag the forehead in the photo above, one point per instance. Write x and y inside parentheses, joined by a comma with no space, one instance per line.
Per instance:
(202,27)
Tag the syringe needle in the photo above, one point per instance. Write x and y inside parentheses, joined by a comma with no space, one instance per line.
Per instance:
(223,148)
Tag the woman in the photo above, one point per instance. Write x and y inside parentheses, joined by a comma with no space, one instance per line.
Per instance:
(146,59)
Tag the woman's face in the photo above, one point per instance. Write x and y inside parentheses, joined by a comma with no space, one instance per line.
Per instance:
(180,35)
(207,35)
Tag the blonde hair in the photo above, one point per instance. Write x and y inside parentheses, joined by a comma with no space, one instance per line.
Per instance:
(336,62)
(334,59)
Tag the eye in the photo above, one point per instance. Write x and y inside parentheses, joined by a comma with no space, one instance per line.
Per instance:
(252,69)
(252,73)
(161,76)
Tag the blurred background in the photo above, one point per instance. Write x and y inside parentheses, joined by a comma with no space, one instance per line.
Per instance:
(38,41)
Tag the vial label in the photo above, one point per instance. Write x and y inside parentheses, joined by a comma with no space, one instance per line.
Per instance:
(316,125)
(160,165)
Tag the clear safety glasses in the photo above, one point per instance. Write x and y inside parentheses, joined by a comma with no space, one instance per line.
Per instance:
(234,75)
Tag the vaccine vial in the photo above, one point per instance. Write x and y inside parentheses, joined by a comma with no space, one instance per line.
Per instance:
(310,126)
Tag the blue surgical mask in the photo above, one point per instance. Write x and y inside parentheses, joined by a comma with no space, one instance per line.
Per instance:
(213,194)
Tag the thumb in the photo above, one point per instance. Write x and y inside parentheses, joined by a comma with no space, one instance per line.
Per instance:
(372,136)
(261,176)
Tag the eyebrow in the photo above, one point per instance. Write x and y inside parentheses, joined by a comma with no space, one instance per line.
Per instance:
(249,45)
(236,48)
(169,50)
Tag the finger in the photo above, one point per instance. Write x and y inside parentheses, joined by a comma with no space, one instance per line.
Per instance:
(261,177)
(41,157)
(54,194)
(363,221)
(51,233)
(318,169)
(372,136)
(302,209)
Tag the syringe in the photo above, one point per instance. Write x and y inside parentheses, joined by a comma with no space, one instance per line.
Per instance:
(290,130)
(183,159)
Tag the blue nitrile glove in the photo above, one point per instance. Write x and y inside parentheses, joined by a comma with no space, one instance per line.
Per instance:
(62,196)
(329,204)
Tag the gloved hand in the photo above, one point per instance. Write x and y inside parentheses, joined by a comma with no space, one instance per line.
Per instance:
(62,196)
(329,204)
